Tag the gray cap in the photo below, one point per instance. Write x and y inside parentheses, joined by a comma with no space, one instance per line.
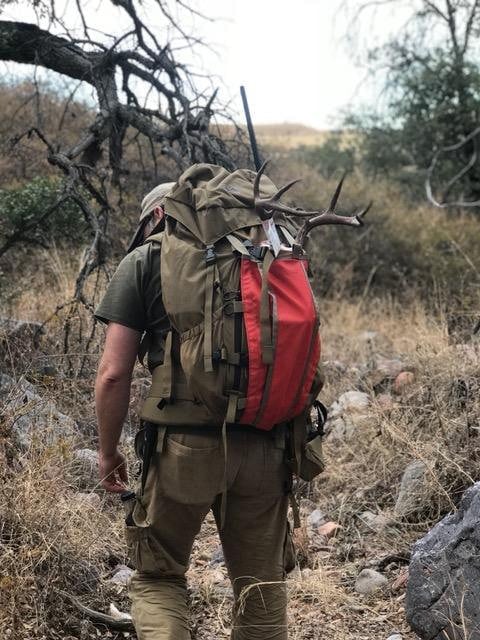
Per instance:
(155,198)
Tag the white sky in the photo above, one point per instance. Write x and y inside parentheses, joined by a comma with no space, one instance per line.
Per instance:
(291,55)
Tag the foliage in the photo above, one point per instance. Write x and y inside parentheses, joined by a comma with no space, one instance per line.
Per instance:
(21,207)
(332,156)
(431,95)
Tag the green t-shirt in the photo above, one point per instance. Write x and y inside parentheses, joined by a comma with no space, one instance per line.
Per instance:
(134,299)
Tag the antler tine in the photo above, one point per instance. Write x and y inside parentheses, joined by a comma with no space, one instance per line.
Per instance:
(336,195)
(256,183)
(363,212)
(284,189)
(330,217)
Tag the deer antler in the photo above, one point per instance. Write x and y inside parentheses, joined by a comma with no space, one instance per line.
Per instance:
(330,217)
(266,206)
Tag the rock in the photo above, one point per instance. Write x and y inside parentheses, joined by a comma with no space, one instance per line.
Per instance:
(413,489)
(401,580)
(217,557)
(121,575)
(335,367)
(353,401)
(404,380)
(84,469)
(384,370)
(328,529)
(443,589)
(116,614)
(18,330)
(374,521)
(347,414)
(316,518)
(17,337)
(33,416)
(369,581)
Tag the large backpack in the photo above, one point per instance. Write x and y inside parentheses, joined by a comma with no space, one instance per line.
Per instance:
(243,317)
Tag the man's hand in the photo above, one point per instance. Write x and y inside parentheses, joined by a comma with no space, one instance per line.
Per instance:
(113,472)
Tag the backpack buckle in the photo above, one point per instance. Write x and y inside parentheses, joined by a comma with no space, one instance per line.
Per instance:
(210,255)
(256,251)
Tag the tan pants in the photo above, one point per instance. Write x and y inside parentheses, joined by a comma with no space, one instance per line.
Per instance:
(184,481)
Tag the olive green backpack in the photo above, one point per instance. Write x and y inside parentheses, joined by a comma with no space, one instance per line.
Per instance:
(209,229)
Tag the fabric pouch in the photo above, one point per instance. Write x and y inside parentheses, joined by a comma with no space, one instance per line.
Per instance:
(311,459)
(304,451)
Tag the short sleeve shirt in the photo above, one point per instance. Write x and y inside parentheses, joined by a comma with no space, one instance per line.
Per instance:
(134,299)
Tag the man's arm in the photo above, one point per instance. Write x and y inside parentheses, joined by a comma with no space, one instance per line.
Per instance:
(112,396)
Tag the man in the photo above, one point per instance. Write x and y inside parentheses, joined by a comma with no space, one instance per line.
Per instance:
(184,472)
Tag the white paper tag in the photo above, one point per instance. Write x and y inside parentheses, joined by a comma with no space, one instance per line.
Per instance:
(272,235)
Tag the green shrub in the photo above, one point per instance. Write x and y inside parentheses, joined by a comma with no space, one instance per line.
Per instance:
(22,208)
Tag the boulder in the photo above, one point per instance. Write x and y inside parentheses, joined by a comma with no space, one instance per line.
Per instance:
(18,330)
(316,518)
(217,557)
(402,382)
(31,415)
(413,490)
(384,371)
(369,581)
(443,591)
(83,469)
(17,338)
(121,576)
(347,414)
(374,521)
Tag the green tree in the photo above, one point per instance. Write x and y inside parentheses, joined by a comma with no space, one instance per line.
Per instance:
(431,90)
(333,155)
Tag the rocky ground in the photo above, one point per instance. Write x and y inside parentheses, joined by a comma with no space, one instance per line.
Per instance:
(400,446)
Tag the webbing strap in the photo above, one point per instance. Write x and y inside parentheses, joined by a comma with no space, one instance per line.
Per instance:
(299,436)
(237,245)
(287,235)
(265,324)
(208,322)
(223,497)
(149,446)
(162,376)
(231,408)
(295,510)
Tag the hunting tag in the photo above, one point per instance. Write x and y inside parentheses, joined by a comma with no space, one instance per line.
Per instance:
(272,235)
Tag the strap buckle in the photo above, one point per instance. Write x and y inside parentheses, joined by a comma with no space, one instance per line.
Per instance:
(256,251)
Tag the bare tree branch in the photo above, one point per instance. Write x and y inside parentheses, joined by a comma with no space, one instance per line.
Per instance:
(443,202)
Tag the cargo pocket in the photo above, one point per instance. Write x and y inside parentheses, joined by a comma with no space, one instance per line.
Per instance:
(312,462)
(191,468)
(147,555)
(289,554)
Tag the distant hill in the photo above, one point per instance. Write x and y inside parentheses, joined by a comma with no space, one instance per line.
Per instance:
(287,135)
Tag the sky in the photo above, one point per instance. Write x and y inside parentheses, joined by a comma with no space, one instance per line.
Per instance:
(293,56)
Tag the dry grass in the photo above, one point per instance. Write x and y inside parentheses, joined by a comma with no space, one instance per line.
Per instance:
(50,541)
